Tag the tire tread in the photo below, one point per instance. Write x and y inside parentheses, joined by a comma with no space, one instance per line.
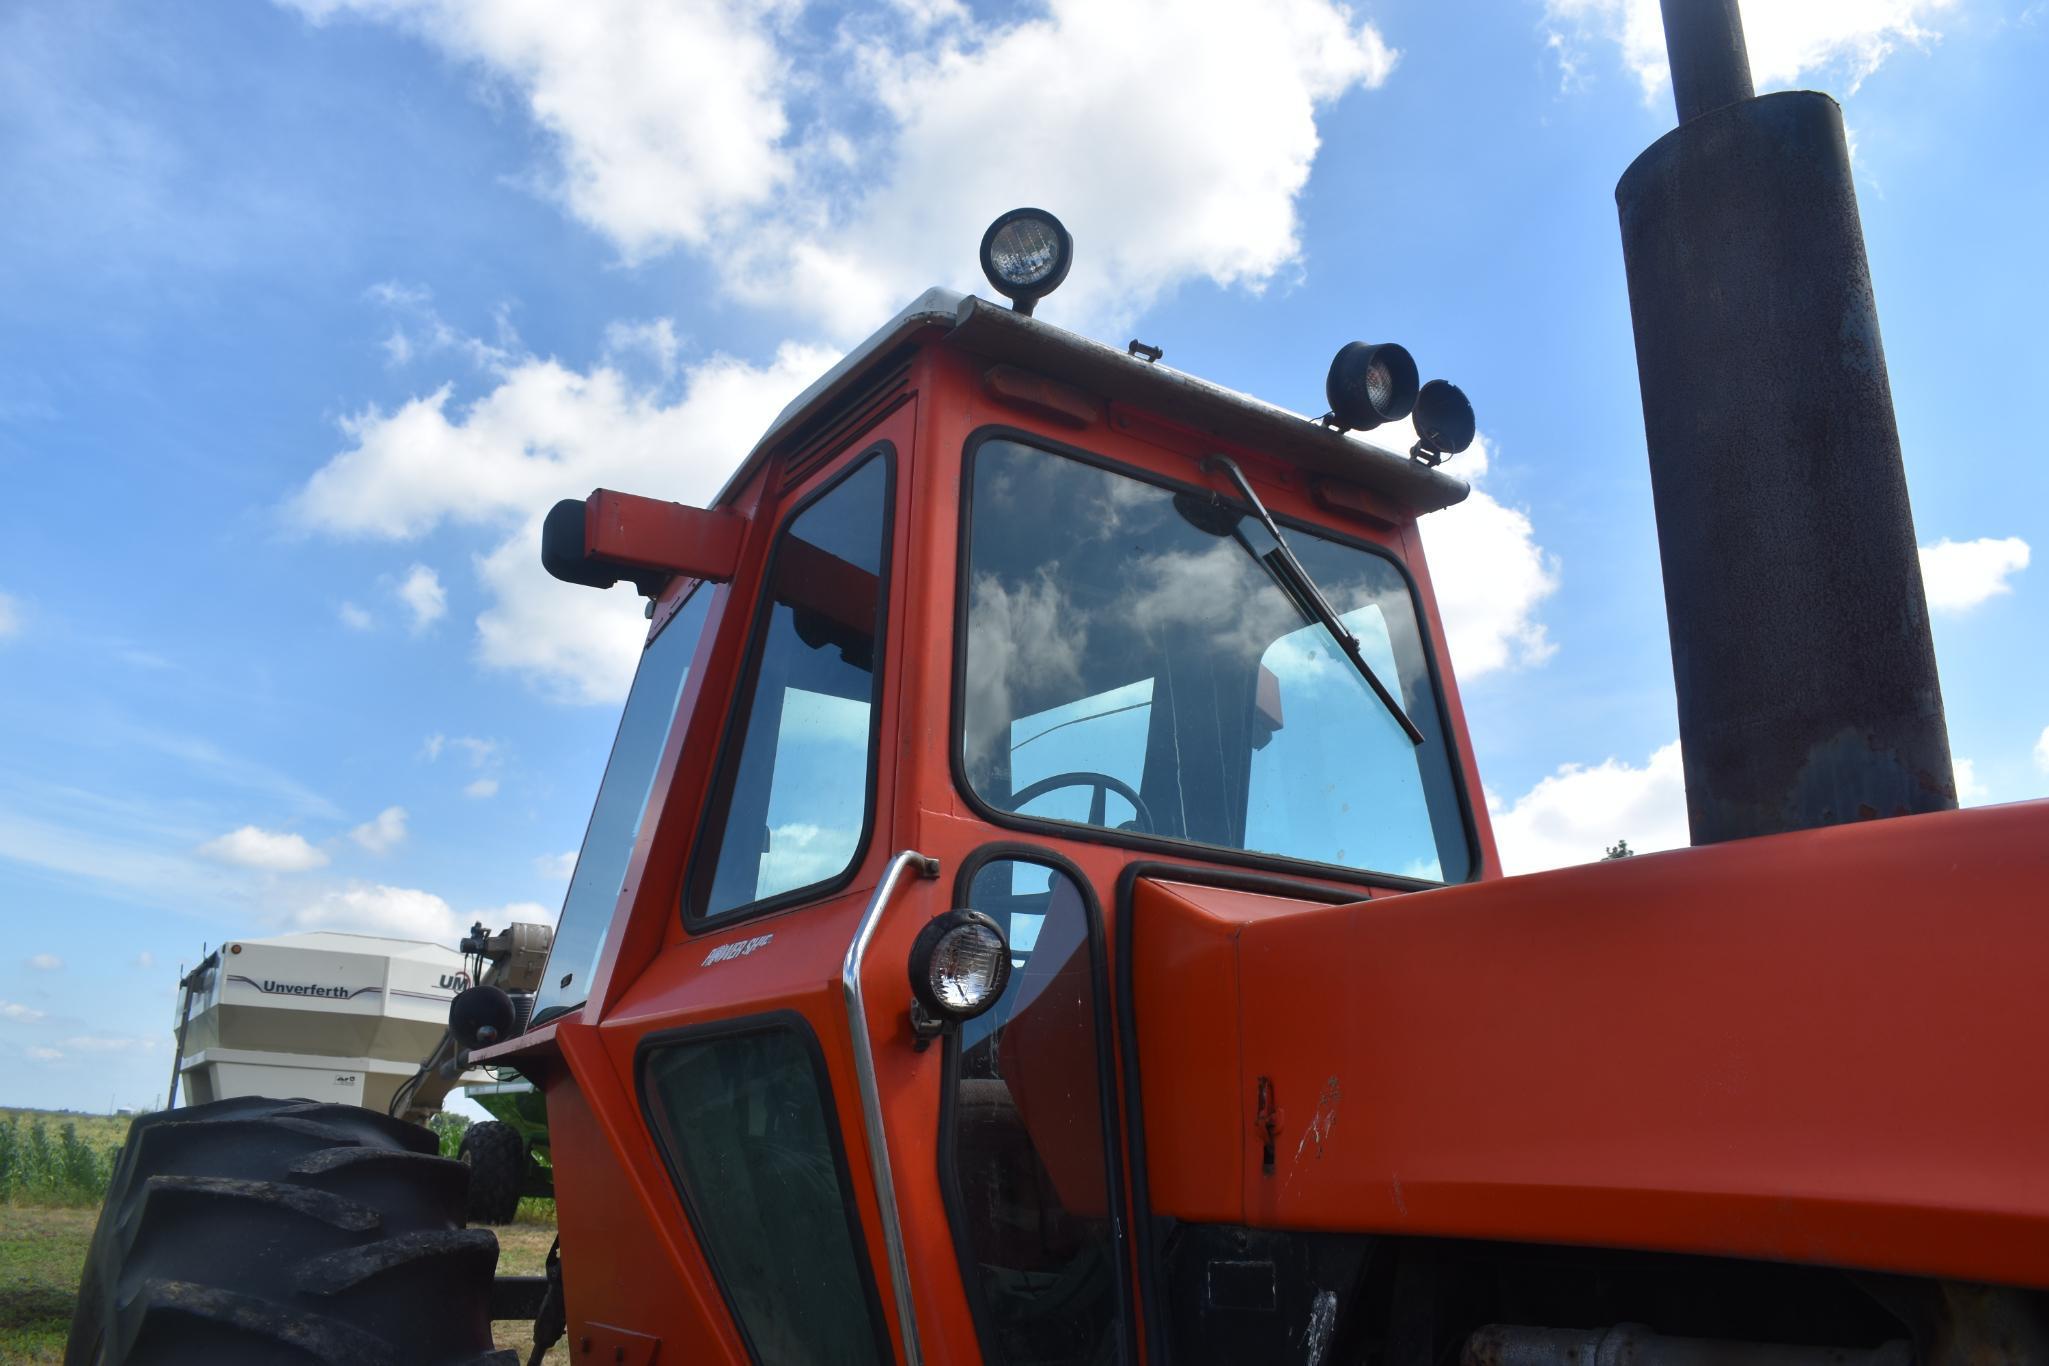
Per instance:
(257,1231)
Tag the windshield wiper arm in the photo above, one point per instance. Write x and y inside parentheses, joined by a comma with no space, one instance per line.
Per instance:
(1294,580)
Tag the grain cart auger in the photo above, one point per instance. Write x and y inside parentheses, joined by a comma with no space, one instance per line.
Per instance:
(1040,910)
(504,1152)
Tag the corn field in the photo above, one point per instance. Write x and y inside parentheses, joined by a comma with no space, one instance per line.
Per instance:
(449,1129)
(41,1168)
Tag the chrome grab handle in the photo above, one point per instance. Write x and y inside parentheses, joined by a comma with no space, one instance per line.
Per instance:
(910,860)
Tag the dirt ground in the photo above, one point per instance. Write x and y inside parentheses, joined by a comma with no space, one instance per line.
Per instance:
(43,1250)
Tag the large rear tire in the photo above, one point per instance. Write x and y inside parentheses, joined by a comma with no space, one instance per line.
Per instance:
(496,1156)
(258,1231)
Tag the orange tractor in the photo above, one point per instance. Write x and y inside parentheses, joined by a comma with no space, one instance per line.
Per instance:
(1039,910)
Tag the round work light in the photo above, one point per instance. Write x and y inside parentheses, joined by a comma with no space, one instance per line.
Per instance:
(1026,254)
(1444,422)
(481,1016)
(1370,384)
(960,963)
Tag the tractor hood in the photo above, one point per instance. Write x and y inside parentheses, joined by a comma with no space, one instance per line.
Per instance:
(1822,1047)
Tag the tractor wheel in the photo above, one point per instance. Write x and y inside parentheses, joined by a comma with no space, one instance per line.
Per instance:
(496,1155)
(259,1231)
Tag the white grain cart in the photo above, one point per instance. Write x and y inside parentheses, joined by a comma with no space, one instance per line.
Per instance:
(322,1015)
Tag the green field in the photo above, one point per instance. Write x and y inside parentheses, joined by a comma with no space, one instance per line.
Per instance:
(48,1208)
(57,1158)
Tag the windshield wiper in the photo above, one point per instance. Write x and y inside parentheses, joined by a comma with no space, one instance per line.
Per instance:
(1294,580)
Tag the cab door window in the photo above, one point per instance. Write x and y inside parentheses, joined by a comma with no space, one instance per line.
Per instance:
(795,792)
(1029,1171)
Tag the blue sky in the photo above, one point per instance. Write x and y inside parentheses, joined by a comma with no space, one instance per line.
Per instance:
(311,309)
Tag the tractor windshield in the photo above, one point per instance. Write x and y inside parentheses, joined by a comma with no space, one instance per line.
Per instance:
(1129,666)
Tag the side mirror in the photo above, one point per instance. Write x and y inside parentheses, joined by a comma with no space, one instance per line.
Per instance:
(600,540)
(481,1016)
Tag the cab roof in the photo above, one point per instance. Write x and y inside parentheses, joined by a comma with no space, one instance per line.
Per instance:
(999,334)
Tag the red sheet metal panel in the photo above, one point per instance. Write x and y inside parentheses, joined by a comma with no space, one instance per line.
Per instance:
(1819,1047)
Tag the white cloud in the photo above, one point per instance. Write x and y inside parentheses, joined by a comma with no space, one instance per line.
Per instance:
(924,14)
(1970,792)
(655,340)
(477,750)
(2042,751)
(482,788)
(667,120)
(835,177)
(801,853)
(423,595)
(556,866)
(383,833)
(1575,814)
(545,433)
(1788,40)
(274,851)
(15,1010)
(355,618)
(1959,575)
(1487,570)
(112,1043)
(419,330)
(39,1054)
(367,908)
(46,962)
(516,912)
(1171,138)
(10,617)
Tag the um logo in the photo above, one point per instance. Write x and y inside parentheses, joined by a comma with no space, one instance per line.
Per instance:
(454,981)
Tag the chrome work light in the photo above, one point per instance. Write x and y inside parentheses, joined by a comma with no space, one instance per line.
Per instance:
(960,963)
(1026,254)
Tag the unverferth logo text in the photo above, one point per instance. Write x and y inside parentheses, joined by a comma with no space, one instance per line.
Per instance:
(272,987)
(301,989)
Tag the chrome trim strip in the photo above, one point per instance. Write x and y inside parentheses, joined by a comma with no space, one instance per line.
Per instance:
(871,1098)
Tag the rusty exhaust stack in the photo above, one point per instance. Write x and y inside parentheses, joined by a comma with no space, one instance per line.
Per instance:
(1800,646)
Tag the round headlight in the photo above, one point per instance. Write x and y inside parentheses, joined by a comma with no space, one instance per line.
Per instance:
(1026,254)
(1444,422)
(960,963)
(1370,384)
(481,1016)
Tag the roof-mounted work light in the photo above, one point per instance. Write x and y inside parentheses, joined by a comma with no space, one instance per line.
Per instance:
(1026,254)
(1444,422)
(1369,384)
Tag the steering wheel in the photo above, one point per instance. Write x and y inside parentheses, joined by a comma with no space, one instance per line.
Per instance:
(1102,783)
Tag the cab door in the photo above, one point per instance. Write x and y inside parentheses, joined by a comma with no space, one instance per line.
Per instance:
(1028,1160)
(732,1037)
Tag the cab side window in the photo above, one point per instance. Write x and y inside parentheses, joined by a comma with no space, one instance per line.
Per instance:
(794,793)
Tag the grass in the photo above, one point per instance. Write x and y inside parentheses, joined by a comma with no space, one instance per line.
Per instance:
(50,1203)
(523,1251)
(41,1253)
